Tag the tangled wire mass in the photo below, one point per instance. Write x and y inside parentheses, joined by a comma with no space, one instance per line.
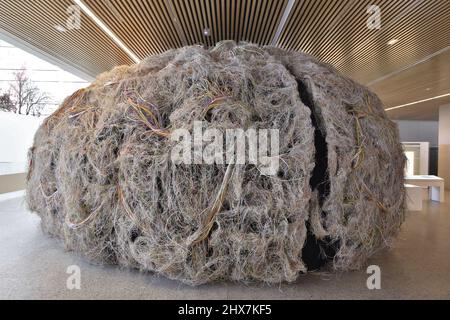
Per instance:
(102,180)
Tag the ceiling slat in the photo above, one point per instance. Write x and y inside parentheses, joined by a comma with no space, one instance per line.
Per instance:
(36,23)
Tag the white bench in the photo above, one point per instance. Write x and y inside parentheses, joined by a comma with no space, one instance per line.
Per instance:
(435,186)
(413,197)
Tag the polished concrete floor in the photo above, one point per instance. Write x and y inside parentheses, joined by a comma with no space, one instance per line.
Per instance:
(33,266)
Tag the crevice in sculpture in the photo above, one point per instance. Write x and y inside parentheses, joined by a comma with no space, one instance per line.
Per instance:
(317,252)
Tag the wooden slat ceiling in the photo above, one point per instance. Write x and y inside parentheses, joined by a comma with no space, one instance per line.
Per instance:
(151,27)
(146,27)
(424,111)
(253,20)
(343,40)
(334,31)
(426,80)
(35,21)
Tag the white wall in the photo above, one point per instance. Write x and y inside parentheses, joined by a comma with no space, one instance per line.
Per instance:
(419,131)
(16,136)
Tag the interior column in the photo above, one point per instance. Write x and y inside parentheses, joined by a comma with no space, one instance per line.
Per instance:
(444,144)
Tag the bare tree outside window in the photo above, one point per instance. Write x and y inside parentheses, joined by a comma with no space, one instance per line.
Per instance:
(27,98)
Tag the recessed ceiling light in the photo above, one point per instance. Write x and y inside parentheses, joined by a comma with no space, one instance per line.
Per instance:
(60,28)
(206,32)
(427,89)
(417,102)
(393,41)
